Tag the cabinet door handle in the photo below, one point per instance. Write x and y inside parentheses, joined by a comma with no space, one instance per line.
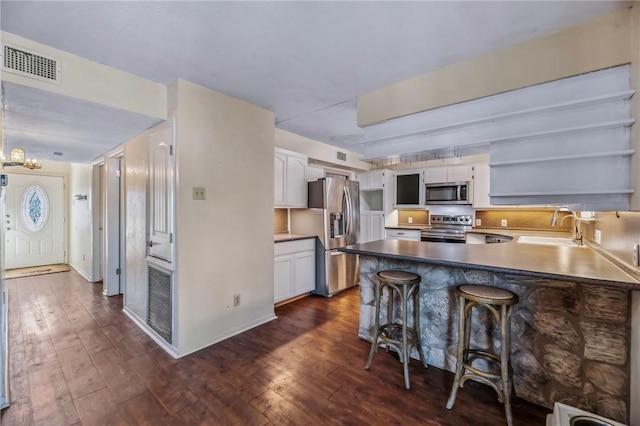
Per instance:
(400,233)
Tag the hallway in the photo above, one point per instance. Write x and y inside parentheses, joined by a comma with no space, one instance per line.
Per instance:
(76,358)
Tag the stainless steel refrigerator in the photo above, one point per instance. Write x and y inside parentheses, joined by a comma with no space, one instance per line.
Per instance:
(333,215)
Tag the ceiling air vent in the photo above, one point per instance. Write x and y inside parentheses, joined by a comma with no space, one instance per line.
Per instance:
(342,156)
(29,64)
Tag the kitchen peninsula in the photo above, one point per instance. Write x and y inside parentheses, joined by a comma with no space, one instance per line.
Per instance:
(571,330)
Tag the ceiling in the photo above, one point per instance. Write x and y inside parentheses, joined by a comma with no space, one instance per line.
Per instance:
(306,61)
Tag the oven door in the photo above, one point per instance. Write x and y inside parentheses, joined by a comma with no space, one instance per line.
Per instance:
(443,237)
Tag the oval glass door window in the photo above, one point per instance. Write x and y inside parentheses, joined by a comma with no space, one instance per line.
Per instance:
(35,208)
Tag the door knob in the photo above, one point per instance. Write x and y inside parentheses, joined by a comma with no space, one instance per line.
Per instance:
(149,243)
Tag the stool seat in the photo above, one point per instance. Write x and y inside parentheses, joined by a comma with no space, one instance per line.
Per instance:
(398,277)
(492,295)
(395,333)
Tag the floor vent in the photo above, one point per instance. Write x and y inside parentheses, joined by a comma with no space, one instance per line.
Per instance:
(159,316)
(29,64)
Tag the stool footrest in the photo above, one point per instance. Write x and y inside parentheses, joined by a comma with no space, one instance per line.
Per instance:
(471,354)
(393,333)
(476,372)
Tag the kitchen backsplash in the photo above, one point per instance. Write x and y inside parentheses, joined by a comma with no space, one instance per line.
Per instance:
(523,219)
(620,231)
(418,217)
(280,221)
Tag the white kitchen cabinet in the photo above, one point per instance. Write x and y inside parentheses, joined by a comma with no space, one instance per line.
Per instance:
(290,179)
(304,272)
(461,173)
(481,185)
(371,180)
(435,175)
(282,277)
(294,269)
(404,234)
(458,173)
(376,204)
(371,226)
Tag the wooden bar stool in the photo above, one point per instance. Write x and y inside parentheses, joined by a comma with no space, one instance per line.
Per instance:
(392,334)
(500,303)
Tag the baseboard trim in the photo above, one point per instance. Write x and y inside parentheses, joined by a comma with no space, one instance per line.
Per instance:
(81,272)
(154,336)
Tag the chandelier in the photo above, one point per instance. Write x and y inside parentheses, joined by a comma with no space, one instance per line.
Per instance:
(17,159)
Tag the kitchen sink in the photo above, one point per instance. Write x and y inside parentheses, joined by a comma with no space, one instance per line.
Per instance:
(548,241)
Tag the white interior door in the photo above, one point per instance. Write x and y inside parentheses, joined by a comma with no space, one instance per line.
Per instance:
(160,242)
(34,221)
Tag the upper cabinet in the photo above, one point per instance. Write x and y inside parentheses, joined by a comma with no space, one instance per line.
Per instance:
(443,174)
(481,185)
(371,180)
(290,179)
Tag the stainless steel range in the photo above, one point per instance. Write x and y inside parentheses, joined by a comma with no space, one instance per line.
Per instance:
(448,229)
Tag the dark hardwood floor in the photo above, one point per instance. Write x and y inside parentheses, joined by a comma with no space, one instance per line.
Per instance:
(77,359)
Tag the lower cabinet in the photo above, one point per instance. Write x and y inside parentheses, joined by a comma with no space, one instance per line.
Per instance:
(294,269)
(371,226)
(404,234)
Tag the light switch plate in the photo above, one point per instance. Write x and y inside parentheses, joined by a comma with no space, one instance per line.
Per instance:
(636,258)
(503,222)
(199,193)
(598,236)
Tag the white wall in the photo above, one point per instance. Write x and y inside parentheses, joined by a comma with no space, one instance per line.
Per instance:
(601,43)
(117,89)
(135,199)
(80,221)
(318,150)
(224,243)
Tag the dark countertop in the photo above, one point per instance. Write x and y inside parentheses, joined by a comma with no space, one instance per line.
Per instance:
(278,238)
(579,264)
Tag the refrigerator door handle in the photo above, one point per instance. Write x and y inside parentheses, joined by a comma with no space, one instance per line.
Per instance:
(347,197)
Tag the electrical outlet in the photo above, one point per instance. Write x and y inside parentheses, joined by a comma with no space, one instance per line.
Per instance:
(236,300)
(199,193)
(503,222)
(636,260)
(598,236)
(478,222)
(410,220)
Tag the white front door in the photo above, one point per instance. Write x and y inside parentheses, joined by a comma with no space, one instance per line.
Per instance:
(34,221)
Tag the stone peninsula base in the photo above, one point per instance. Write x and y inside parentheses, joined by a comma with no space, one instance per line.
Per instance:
(570,341)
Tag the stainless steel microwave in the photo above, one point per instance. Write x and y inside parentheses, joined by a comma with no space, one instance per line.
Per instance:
(448,193)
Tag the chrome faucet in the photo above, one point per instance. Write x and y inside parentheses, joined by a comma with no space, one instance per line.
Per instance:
(577,232)
(554,217)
